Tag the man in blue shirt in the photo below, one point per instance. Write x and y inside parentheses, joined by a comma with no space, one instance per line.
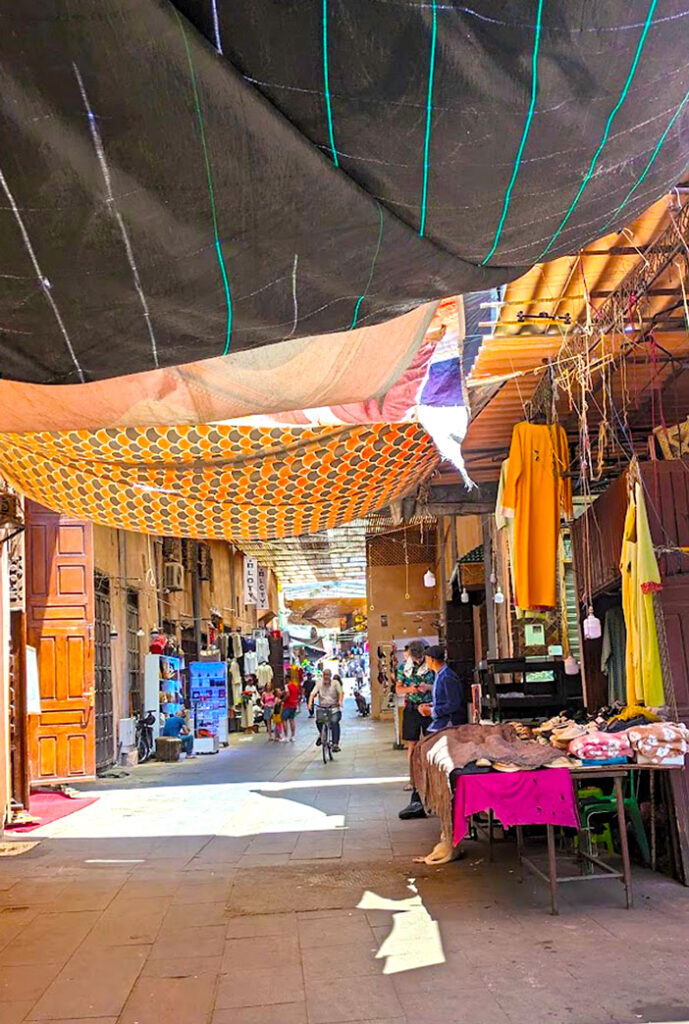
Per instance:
(448,706)
(176,726)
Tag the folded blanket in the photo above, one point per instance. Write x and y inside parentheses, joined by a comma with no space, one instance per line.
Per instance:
(595,746)
(661,742)
(439,754)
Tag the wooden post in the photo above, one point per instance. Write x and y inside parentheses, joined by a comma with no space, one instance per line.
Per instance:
(196,596)
(20,740)
(490,606)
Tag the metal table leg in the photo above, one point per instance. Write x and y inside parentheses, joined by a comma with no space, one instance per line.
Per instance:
(652,786)
(520,850)
(552,869)
(491,819)
(623,841)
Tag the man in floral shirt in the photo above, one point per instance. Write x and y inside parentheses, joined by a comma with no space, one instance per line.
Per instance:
(415,681)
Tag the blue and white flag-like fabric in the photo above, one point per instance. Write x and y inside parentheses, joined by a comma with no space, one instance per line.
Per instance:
(442,409)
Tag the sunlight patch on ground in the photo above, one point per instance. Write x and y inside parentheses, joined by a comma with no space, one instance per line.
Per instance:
(414,940)
(230,811)
(385,780)
(226,809)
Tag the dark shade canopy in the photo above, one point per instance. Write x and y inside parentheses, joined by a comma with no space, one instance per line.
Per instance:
(182,180)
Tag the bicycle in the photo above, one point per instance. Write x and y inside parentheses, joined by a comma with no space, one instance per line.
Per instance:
(324,718)
(144,736)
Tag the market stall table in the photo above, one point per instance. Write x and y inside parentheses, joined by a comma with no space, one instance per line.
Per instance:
(547,797)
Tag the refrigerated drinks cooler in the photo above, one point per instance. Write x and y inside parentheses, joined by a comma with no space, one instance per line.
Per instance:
(208,693)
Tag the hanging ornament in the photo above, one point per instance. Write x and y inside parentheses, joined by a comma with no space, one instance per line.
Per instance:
(493,578)
(498,596)
(571,666)
(464,596)
(592,626)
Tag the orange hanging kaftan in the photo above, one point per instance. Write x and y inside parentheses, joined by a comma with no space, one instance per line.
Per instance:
(536,491)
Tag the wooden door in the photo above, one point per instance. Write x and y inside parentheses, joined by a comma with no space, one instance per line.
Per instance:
(674,600)
(461,648)
(60,616)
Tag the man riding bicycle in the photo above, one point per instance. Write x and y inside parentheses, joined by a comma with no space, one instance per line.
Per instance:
(330,695)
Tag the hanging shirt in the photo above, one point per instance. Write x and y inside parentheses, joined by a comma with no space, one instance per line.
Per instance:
(237,649)
(640,580)
(264,674)
(535,493)
(250,663)
(235,681)
(613,654)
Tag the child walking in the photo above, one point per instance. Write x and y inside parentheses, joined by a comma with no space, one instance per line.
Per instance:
(277,717)
(268,702)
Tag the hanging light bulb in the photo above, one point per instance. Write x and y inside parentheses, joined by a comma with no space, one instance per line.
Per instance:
(493,578)
(464,596)
(429,579)
(498,596)
(592,626)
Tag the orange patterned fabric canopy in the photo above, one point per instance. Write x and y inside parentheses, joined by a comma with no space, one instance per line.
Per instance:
(220,481)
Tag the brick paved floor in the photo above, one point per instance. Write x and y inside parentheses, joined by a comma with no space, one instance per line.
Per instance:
(261,887)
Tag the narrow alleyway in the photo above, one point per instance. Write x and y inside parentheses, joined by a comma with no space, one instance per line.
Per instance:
(261,887)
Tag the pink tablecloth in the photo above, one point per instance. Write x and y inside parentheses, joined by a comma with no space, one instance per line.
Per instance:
(544,797)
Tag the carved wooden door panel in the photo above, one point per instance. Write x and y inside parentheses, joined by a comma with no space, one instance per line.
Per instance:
(60,616)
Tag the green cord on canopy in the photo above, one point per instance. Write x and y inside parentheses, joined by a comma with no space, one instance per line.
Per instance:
(326,85)
(650,163)
(606,132)
(373,266)
(429,114)
(209,178)
(527,126)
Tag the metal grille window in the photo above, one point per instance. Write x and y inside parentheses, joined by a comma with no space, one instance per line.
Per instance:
(134,672)
(105,751)
(411,545)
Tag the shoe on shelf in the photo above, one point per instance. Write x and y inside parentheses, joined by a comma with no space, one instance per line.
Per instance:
(319,742)
(336,749)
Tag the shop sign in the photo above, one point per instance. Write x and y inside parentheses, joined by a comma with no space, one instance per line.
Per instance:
(262,587)
(250,581)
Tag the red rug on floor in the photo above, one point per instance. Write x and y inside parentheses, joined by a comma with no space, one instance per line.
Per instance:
(48,807)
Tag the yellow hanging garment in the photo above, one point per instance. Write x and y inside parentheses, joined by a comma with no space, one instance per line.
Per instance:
(536,491)
(640,580)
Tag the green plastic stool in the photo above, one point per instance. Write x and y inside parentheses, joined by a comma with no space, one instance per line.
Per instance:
(597,804)
(603,836)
